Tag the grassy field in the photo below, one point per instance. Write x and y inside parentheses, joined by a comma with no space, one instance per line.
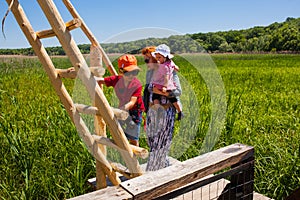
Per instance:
(44,158)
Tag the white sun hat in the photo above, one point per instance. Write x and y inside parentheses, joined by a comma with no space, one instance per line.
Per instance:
(163,50)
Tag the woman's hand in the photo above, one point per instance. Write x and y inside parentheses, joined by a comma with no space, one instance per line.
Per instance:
(164,89)
(157,91)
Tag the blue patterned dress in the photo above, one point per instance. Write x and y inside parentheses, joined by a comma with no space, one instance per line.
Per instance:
(159,129)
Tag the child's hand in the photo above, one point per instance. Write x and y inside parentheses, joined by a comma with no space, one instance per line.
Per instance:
(164,89)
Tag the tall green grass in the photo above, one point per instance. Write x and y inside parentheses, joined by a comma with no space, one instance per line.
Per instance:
(44,158)
(263,111)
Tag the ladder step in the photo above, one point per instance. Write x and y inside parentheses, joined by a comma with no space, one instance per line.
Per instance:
(72,74)
(118,167)
(91,110)
(66,73)
(138,151)
(71,25)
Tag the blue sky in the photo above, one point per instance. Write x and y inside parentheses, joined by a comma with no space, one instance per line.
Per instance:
(110,18)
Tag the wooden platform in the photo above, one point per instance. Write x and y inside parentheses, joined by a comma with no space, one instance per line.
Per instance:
(92,181)
(208,192)
(194,179)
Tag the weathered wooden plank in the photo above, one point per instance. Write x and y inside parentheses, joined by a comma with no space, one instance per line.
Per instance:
(111,193)
(165,180)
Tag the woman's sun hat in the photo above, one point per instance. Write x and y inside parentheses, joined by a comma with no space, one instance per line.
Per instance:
(163,50)
(128,63)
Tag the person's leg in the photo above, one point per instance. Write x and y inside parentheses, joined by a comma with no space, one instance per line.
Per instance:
(159,134)
(133,127)
(177,105)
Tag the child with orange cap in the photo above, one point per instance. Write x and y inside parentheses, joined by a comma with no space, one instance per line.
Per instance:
(129,92)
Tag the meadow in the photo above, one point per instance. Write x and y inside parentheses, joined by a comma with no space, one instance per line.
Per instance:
(43,157)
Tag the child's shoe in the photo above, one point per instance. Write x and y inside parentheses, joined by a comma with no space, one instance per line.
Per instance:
(180,115)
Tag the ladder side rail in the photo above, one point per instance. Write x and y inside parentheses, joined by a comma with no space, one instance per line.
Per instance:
(90,36)
(59,87)
(92,86)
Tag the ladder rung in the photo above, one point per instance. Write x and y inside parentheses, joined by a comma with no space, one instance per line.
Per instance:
(121,169)
(66,73)
(91,110)
(138,151)
(71,25)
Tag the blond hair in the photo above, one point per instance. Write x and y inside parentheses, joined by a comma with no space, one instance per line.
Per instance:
(149,49)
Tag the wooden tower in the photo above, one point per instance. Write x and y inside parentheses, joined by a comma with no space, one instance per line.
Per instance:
(104,114)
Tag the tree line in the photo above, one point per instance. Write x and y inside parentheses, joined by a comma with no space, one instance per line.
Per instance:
(277,37)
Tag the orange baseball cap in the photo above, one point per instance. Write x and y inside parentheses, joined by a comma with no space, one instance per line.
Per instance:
(128,63)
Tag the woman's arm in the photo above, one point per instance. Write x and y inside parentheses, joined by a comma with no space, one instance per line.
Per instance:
(174,93)
(158,91)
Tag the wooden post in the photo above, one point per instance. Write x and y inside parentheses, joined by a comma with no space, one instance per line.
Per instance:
(89,81)
(99,124)
(100,129)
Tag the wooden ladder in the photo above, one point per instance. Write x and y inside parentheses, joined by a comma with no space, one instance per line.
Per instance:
(100,107)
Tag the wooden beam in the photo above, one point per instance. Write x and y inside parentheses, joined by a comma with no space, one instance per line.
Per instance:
(91,110)
(100,130)
(157,183)
(71,25)
(72,74)
(111,193)
(138,151)
(121,169)
(66,73)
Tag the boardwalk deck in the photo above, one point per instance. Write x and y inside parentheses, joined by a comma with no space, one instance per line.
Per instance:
(208,192)
(193,179)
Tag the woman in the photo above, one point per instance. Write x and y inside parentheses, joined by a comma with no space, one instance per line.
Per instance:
(160,122)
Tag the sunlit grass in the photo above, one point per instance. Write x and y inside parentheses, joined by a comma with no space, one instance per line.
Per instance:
(44,158)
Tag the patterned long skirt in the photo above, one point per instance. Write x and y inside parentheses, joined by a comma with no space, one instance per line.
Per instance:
(159,129)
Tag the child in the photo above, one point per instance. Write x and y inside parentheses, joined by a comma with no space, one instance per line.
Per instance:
(162,77)
(129,92)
